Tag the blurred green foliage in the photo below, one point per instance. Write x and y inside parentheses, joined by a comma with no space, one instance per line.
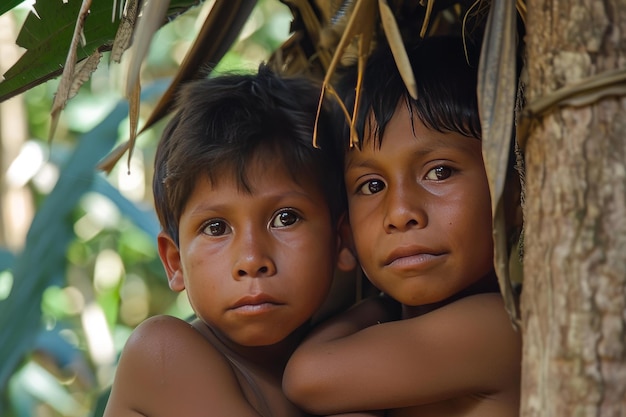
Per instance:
(89,271)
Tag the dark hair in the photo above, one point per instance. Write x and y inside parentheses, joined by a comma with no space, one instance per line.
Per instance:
(221,123)
(446,76)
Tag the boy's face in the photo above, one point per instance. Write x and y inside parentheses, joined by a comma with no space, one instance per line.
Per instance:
(257,265)
(420,211)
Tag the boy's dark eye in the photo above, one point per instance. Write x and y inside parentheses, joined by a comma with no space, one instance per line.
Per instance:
(372,187)
(285,218)
(216,228)
(439,173)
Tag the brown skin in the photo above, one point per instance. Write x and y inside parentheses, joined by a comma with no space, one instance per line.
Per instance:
(420,213)
(256,266)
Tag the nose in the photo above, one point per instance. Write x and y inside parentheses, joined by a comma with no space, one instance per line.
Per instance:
(253,258)
(405,209)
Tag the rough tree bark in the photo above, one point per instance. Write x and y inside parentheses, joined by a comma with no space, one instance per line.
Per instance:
(574,297)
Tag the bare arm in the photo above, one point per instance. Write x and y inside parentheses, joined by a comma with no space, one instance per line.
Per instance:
(369,312)
(167,368)
(466,347)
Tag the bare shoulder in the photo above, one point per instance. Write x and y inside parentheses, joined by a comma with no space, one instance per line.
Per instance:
(479,338)
(167,339)
(480,321)
(489,305)
(168,368)
(161,330)
(478,317)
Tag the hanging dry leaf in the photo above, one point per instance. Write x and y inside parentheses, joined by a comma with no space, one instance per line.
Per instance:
(396,44)
(365,14)
(108,163)
(134,102)
(497,89)
(219,31)
(65,84)
(125,30)
(313,29)
(429,11)
(153,14)
(83,72)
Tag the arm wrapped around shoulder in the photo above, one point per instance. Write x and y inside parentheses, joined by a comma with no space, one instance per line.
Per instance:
(310,373)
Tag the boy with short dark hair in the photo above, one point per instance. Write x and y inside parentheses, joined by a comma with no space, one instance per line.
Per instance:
(420,214)
(250,212)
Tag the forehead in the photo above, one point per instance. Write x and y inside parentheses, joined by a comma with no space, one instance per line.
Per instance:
(406,134)
(262,170)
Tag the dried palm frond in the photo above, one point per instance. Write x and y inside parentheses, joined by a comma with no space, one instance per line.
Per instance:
(125,30)
(497,87)
(68,76)
(218,32)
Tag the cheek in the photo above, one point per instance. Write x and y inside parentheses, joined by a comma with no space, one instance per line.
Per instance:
(364,239)
(363,226)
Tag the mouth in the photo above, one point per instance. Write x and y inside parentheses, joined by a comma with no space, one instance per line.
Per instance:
(255,303)
(411,256)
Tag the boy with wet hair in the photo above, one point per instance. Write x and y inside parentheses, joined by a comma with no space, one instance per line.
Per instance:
(420,214)
(250,212)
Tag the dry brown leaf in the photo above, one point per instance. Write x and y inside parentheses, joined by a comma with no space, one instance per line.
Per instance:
(108,163)
(497,89)
(65,84)
(83,72)
(124,30)
(361,25)
(396,44)
(134,101)
(219,31)
(429,11)
(313,29)
(153,14)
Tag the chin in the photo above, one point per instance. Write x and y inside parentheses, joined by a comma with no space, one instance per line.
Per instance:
(264,339)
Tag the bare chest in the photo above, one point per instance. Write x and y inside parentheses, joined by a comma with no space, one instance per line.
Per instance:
(267,397)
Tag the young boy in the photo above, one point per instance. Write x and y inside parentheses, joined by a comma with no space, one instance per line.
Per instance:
(419,210)
(250,213)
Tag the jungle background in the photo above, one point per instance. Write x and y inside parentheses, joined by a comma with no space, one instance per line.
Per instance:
(78,264)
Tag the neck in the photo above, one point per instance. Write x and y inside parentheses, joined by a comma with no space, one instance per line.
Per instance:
(270,359)
(487,284)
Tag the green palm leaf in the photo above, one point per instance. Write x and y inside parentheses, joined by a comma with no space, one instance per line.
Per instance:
(46,36)
(42,261)
(8,5)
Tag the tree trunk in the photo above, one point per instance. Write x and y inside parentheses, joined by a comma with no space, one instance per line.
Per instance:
(16,205)
(574,296)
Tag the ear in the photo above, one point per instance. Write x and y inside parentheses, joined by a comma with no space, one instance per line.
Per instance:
(346,259)
(170,257)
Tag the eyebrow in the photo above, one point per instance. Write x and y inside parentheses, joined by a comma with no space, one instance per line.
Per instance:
(371,163)
(209,206)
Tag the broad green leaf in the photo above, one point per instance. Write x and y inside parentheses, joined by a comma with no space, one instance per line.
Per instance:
(46,36)
(6,259)
(145,219)
(9,5)
(43,260)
